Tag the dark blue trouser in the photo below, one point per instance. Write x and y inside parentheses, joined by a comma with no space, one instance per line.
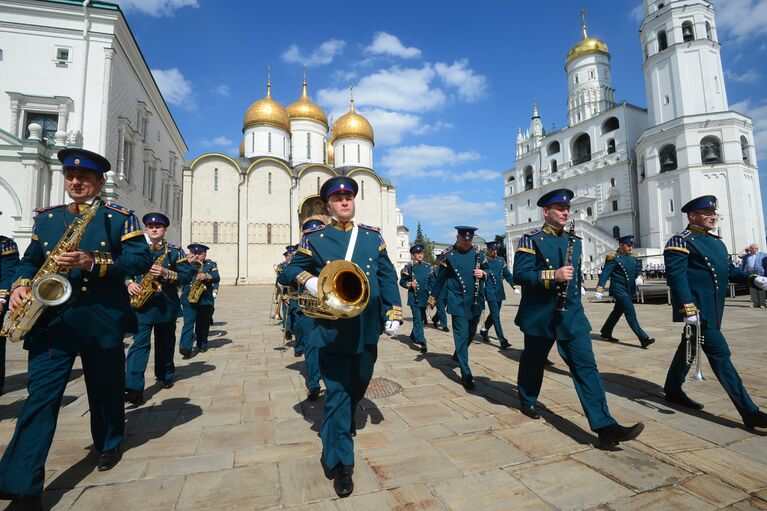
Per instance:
(441,314)
(623,305)
(464,330)
(494,319)
(22,468)
(138,354)
(303,329)
(196,322)
(2,351)
(579,358)
(346,379)
(417,332)
(718,353)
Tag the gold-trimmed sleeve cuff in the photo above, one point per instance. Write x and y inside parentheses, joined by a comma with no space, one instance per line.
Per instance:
(599,289)
(394,314)
(689,309)
(9,251)
(526,250)
(131,235)
(303,277)
(4,293)
(678,249)
(432,300)
(172,276)
(547,277)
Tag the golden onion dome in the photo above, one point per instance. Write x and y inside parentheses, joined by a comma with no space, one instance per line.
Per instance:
(352,125)
(268,112)
(586,46)
(331,154)
(304,108)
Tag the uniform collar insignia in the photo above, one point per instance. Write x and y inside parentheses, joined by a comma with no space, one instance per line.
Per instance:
(697,230)
(157,246)
(548,229)
(341,226)
(78,209)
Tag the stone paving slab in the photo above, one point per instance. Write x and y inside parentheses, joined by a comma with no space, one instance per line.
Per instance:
(236,432)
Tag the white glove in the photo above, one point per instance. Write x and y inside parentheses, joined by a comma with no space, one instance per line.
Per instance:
(639,281)
(761,282)
(391,327)
(691,320)
(516,290)
(583,291)
(598,295)
(215,294)
(311,286)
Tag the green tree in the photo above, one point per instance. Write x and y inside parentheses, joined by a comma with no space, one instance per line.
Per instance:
(501,240)
(419,237)
(428,245)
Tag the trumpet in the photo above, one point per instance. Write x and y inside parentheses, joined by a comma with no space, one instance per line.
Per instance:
(343,292)
(692,356)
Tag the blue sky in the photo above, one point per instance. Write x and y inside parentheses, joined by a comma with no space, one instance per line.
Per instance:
(445,84)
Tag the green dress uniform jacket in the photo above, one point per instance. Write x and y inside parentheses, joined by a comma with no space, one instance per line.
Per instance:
(497,272)
(9,260)
(539,254)
(456,273)
(622,271)
(419,272)
(165,305)
(210,268)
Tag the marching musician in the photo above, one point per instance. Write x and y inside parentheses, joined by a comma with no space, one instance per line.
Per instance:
(460,271)
(347,347)
(439,320)
(197,316)
(289,307)
(9,260)
(91,323)
(414,277)
(698,270)
(160,311)
(497,272)
(625,273)
(542,269)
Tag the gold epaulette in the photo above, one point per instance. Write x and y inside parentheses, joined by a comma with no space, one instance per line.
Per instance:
(526,243)
(369,227)
(117,207)
(48,208)
(314,229)
(610,256)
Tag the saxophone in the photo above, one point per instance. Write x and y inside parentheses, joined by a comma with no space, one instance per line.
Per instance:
(149,284)
(197,287)
(49,286)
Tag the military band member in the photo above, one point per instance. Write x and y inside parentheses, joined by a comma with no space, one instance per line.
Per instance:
(197,316)
(9,260)
(347,347)
(159,313)
(303,326)
(698,270)
(289,308)
(460,272)
(625,273)
(497,272)
(91,323)
(414,277)
(439,320)
(540,268)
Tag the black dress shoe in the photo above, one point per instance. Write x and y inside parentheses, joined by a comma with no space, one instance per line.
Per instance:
(485,337)
(609,338)
(684,400)
(758,419)
(548,362)
(646,342)
(353,428)
(435,321)
(134,397)
(343,483)
(298,354)
(530,411)
(468,383)
(167,384)
(202,349)
(455,357)
(612,435)
(313,394)
(445,329)
(505,344)
(288,335)
(423,348)
(185,353)
(23,502)
(109,459)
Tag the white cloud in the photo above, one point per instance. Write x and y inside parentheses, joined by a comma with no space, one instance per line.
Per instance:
(388,44)
(176,89)
(750,76)
(322,55)
(389,127)
(758,113)
(222,90)
(421,159)
(470,85)
(425,129)
(742,19)
(637,13)
(218,141)
(445,209)
(157,8)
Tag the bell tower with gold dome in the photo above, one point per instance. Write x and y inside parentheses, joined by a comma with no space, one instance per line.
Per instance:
(353,140)
(588,78)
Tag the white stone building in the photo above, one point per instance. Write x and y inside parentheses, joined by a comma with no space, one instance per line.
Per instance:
(73,75)
(632,169)
(248,209)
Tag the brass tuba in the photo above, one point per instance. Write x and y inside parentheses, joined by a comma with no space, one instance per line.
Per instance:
(149,284)
(197,287)
(343,292)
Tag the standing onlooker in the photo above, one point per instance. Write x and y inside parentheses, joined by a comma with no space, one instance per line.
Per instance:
(753,263)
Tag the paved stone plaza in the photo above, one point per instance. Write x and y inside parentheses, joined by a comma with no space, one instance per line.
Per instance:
(236,432)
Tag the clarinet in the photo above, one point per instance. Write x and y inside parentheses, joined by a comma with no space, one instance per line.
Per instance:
(476,279)
(563,289)
(412,287)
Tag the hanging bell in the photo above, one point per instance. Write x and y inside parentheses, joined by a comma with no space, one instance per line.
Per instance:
(710,154)
(667,161)
(687,33)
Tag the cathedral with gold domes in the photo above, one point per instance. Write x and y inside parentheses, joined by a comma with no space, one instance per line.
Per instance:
(247,209)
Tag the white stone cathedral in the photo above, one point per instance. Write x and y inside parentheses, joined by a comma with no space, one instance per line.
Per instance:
(248,209)
(631,168)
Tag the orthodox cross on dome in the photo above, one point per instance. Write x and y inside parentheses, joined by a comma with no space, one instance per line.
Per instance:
(269,80)
(351,96)
(583,23)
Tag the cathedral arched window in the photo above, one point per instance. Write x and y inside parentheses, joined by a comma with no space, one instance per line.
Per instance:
(553,165)
(269,234)
(582,149)
(616,232)
(215,180)
(343,154)
(610,124)
(709,32)
(615,205)
(667,158)
(588,211)
(553,148)
(641,169)
(359,158)
(362,189)
(309,146)
(318,184)
(710,150)
(511,207)
(270,142)
(688,31)
(662,41)
(529,177)
(744,149)
(611,146)
(215,232)
(612,182)
(269,183)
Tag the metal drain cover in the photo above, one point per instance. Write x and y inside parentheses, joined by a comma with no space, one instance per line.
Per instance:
(381,387)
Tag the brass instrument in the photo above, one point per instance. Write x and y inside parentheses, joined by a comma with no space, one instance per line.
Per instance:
(693,356)
(275,309)
(149,284)
(343,292)
(49,286)
(197,287)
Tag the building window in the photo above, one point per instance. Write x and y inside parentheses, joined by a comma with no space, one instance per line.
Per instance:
(145,183)
(582,149)
(710,150)
(588,211)
(308,146)
(610,124)
(62,55)
(49,123)
(253,142)
(359,158)
(744,149)
(612,182)
(671,205)
(511,207)
(611,146)
(666,99)
(152,179)
(215,232)
(577,80)
(688,31)
(553,165)
(615,205)
(668,158)
(616,232)
(269,138)
(269,234)
(662,41)
(215,180)
(362,190)
(318,184)
(127,158)
(553,148)
(529,220)
(528,203)
(343,153)
(709,33)
(592,75)
(641,169)
(528,178)
(269,183)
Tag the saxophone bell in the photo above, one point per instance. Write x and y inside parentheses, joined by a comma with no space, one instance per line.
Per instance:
(52,290)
